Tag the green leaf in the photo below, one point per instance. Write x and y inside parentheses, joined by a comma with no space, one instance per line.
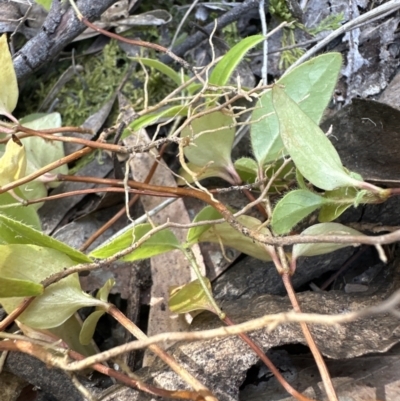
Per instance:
(230,237)
(154,118)
(247,169)
(8,80)
(160,242)
(89,326)
(46,4)
(10,287)
(322,248)
(294,207)
(15,232)
(59,301)
(214,144)
(12,163)
(310,85)
(41,152)
(339,201)
(104,291)
(201,173)
(25,214)
(225,67)
(311,151)
(163,68)
(194,233)
(190,297)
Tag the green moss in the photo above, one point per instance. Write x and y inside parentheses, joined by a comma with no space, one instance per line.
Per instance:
(85,93)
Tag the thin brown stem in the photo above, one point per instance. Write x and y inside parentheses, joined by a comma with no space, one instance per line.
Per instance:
(168,359)
(323,370)
(268,363)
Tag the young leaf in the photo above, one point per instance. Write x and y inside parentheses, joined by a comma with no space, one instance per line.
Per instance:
(216,134)
(225,67)
(339,200)
(15,232)
(310,85)
(311,151)
(190,297)
(160,242)
(194,233)
(247,169)
(228,236)
(11,287)
(294,207)
(322,248)
(8,80)
(59,301)
(89,326)
(104,291)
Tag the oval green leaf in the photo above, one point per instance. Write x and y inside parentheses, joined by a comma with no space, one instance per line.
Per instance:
(190,297)
(194,233)
(310,85)
(160,242)
(322,248)
(311,151)
(230,237)
(294,207)
(59,301)
(215,134)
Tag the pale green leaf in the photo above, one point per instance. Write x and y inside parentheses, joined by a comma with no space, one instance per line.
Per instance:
(104,291)
(294,207)
(339,201)
(59,301)
(41,152)
(12,163)
(194,233)
(190,297)
(310,85)
(247,169)
(225,67)
(311,151)
(213,138)
(89,327)
(8,80)
(160,242)
(230,237)
(322,248)
(25,214)
(11,287)
(15,232)
(200,173)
